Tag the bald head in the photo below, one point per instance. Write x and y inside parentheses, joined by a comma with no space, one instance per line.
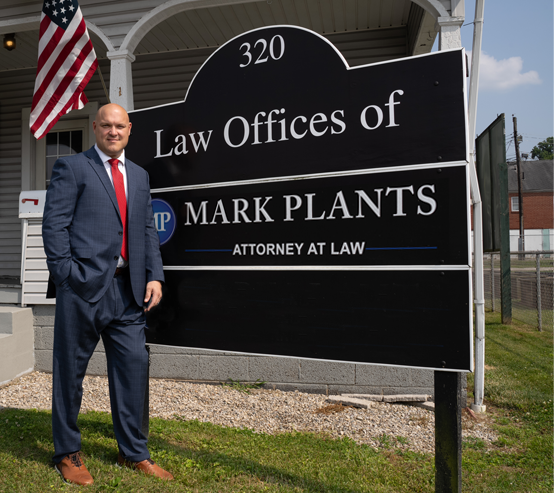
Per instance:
(112,129)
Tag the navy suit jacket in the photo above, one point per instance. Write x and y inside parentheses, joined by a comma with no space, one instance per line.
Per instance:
(82,228)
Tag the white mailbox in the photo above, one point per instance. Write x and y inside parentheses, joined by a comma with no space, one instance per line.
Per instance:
(34,271)
(31,204)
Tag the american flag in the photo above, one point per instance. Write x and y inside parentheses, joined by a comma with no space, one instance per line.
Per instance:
(66,62)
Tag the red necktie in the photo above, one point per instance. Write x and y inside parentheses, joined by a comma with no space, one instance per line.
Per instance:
(121,201)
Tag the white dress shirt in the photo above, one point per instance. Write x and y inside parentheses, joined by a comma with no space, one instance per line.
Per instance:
(121,166)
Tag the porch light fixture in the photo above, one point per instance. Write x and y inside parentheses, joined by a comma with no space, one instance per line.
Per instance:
(9,41)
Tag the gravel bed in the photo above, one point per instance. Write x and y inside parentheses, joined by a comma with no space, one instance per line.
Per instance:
(262,410)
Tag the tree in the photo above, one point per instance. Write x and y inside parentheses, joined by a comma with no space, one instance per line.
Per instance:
(543,150)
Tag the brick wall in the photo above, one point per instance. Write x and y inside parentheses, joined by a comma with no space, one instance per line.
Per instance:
(538,211)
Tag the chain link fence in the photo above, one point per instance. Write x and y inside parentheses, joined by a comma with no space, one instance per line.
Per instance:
(532,276)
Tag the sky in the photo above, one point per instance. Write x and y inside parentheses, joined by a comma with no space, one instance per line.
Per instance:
(516,68)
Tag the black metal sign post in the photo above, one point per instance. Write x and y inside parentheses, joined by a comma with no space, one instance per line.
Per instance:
(448,432)
(313,210)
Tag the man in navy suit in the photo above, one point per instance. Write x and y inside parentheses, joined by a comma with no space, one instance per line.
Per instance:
(103,255)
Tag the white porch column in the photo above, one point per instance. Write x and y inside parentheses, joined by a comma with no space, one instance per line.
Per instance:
(121,78)
(450,36)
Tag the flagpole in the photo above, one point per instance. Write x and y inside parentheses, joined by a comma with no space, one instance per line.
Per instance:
(103,83)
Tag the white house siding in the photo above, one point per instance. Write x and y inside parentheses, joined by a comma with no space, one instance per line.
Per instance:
(415,19)
(165,77)
(16,91)
(94,90)
(363,47)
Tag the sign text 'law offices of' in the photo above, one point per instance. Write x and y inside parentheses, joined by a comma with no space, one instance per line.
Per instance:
(310,209)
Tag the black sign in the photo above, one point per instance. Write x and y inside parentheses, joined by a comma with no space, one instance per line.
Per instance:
(402,318)
(310,209)
(296,109)
(413,217)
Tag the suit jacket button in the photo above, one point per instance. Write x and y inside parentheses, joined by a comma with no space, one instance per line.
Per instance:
(116,258)
(120,233)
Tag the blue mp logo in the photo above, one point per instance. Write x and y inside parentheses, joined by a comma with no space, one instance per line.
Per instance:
(164,218)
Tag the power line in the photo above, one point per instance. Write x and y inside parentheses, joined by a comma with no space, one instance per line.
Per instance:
(533,137)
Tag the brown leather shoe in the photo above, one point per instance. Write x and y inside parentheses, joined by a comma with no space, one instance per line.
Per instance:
(73,470)
(147,466)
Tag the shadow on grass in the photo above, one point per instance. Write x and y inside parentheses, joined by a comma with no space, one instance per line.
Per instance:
(26,435)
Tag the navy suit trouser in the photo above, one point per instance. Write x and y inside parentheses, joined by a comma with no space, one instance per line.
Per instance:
(78,326)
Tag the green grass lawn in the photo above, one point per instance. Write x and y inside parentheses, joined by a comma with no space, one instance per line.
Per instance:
(209,458)
(519,395)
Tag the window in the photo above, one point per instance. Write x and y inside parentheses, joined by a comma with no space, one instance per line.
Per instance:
(67,137)
(71,134)
(515,204)
(59,144)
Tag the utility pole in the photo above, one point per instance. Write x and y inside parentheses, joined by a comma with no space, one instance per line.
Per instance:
(521,240)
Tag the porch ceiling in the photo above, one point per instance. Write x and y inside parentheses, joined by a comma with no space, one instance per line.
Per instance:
(25,54)
(213,26)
